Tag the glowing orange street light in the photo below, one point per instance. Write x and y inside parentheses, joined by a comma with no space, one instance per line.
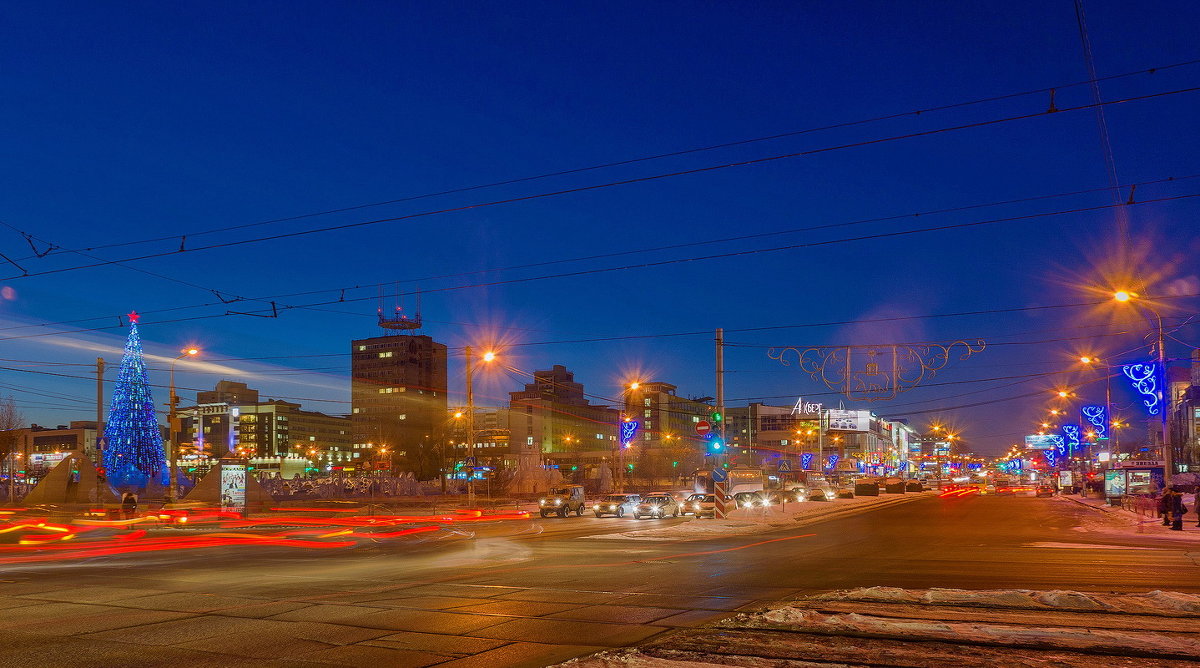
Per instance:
(1123,295)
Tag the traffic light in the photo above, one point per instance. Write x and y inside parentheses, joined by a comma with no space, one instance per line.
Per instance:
(715,446)
(717,417)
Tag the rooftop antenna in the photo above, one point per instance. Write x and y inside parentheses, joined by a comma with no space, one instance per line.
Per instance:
(399,320)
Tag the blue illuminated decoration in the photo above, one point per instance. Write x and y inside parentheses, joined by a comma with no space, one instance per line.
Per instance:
(1097,419)
(134,448)
(833,460)
(1144,378)
(1051,458)
(1070,434)
(628,431)
(806,461)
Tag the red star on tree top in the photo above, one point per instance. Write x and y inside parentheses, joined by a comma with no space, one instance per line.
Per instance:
(133,316)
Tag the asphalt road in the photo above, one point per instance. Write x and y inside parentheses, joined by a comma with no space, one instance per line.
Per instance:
(533,592)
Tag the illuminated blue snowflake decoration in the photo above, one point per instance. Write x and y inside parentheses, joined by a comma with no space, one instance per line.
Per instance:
(1070,433)
(1051,458)
(833,460)
(133,451)
(1144,378)
(806,461)
(1097,418)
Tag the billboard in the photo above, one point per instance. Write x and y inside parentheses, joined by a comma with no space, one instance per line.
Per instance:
(1043,441)
(233,487)
(840,420)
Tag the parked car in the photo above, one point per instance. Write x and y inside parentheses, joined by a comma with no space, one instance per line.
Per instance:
(894,485)
(691,504)
(750,500)
(616,504)
(562,501)
(914,486)
(656,505)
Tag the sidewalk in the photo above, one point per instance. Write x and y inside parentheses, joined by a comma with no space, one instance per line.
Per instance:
(1141,524)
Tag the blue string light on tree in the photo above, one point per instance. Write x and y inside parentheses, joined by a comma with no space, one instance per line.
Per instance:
(134,450)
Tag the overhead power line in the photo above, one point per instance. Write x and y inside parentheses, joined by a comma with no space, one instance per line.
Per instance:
(630,161)
(610,184)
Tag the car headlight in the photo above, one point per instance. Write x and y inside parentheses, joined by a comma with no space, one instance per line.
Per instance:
(541,502)
(596,507)
(766,503)
(558,502)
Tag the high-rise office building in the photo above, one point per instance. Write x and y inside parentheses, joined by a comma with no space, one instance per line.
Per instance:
(398,398)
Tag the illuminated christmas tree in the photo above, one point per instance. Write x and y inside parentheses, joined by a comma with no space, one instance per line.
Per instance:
(133,451)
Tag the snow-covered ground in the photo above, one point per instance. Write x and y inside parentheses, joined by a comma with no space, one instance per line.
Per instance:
(1155,602)
(758,520)
(888,626)
(1119,522)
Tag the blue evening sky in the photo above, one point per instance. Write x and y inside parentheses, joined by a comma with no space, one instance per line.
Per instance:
(133,121)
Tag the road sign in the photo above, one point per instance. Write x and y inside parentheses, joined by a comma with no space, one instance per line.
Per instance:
(720,475)
(785,466)
(703,427)
(469,461)
(719,499)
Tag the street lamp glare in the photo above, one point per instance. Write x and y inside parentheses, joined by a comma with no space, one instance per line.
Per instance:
(634,385)
(1123,295)
(489,356)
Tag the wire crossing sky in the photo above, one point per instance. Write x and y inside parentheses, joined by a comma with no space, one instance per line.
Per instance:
(599,187)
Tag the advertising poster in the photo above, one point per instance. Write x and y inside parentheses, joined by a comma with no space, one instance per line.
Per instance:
(233,487)
(1043,441)
(1114,483)
(1066,479)
(848,420)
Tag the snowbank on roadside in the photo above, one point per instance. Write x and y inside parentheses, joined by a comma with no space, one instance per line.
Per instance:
(630,658)
(753,520)
(805,620)
(1155,602)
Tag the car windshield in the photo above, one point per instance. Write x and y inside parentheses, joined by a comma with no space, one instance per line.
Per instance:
(710,498)
(616,498)
(556,490)
(656,500)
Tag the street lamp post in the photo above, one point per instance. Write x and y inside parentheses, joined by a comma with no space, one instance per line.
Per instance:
(487,357)
(1164,390)
(173,422)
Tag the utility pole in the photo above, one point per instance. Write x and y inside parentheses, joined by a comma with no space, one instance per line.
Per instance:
(99,425)
(719,425)
(470,430)
(1168,454)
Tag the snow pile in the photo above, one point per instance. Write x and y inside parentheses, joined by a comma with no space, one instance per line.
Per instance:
(1155,602)
(1173,601)
(629,658)
(804,620)
(755,520)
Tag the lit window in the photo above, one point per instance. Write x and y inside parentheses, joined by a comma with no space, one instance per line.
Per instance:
(646,413)
(385,354)
(402,416)
(645,437)
(649,425)
(783,442)
(646,401)
(599,437)
(695,418)
(361,348)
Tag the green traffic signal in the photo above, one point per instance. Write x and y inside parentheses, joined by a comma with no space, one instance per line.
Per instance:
(716,416)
